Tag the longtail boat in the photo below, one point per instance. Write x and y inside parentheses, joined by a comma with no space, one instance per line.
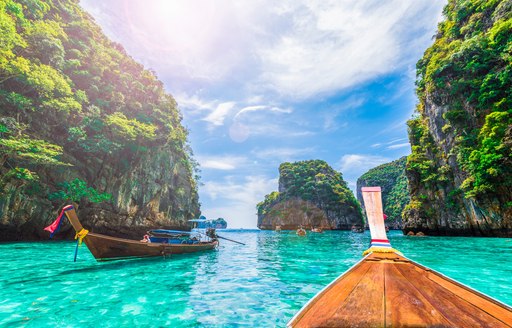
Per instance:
(386,289)
(167,242)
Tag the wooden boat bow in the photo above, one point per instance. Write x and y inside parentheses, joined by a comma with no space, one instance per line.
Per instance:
(386,289)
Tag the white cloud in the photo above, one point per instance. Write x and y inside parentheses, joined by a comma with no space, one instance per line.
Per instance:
(332,45)
(352,166)
(393,144)
(226,162)
(280,129)
(358,162)
(193,103)
(296,49)
(253,120)
(401,145)
(253,99)
(239,198)
(300,134)
(262,108)
(217,116)
(282,154)
(330,118)
(396,140)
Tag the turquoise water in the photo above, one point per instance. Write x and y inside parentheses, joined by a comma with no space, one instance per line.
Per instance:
(262,284)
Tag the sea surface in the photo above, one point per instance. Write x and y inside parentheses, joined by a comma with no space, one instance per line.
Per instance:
(261,284)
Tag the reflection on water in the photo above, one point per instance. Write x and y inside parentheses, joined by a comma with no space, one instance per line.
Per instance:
(263,283)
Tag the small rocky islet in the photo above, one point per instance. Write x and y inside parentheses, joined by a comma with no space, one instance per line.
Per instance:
(311,194)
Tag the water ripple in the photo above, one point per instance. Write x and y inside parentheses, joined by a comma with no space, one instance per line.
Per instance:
(262,284)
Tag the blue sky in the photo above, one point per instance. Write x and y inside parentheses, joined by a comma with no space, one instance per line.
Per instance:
(261,82)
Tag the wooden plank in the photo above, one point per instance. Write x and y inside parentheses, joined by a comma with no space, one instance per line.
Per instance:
(480,303)
(405,305)
(364,307)
(386,256)
(455,309)
(479,300)
(325,304)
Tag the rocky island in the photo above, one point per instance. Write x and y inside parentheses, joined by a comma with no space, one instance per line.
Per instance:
(393,181)
(310,194)
(460,168)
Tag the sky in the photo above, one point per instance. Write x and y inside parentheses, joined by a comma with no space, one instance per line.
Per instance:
(263,82)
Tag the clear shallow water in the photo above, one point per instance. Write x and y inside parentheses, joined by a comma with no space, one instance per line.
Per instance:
(262,284)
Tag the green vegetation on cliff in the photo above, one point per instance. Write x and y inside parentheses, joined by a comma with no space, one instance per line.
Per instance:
(461,136)
(69,97)
(391,177)
(314,181)
(469,69)
(219,223)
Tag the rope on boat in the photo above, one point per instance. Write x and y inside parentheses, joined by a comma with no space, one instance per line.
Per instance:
(76,251)
(376,249)
(80,235)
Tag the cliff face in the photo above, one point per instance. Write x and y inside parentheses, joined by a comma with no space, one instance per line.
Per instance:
(81,121)
(393,181)
(460,168)
(310,194)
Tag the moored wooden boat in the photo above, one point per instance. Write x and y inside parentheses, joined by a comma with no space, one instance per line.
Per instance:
(301,231)
(105,248)
(385,289)
(317,230)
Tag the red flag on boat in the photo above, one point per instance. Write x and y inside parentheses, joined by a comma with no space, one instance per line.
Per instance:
(54,227)
(385,216)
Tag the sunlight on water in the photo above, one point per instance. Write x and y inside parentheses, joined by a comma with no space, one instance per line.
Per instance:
(262,284)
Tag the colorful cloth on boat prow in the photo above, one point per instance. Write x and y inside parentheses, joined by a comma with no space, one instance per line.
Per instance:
(55,226)
(380,246)
(380,243)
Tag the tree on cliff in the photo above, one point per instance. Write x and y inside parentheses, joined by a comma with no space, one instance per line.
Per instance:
(81,100)
(460,166)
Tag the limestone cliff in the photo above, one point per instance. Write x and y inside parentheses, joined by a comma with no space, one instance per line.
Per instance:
(310,194)
(391,178)
(460,168)
(81,121)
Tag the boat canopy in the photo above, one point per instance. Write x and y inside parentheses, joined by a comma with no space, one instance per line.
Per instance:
(168,232)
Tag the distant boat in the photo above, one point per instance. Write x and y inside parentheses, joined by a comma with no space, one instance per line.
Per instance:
(156,243)
(318,230)
(301,231)
(386,289)
(278,228)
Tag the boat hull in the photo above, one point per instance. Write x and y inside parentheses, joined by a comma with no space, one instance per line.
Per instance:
(106,248)
(389,290)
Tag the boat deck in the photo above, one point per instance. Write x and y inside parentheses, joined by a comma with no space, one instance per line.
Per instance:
(389,290)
